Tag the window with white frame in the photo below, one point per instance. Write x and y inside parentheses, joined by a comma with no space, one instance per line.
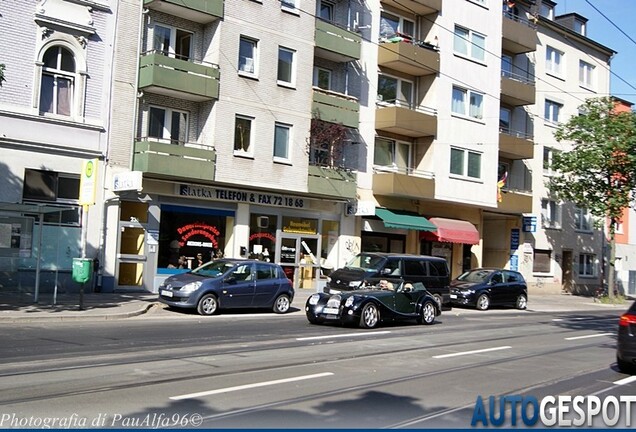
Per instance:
(243,136)
(580,27)
(391,24)
(58,80)
(172,42)
(546,11)
(618,227)
(582,219)
(465,163)
(550,214)
(282,136)
(586,75)
(325,10)
(548,158)
(396,91)
(322,78)
(286,71)
(554,61)
(169,125)
(289,4)
(467,103)
(552,111)
(391,154)
(248,56)
(587,264)
(469,43)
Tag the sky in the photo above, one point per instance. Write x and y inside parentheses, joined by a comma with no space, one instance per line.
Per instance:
(608,20)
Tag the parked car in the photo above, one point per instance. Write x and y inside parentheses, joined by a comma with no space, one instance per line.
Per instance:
(626,341)
(389,300)
(229,284)
(431,271)
(485,287)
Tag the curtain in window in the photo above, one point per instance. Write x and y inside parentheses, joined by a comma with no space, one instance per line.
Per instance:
(383,152)
(460,41)
(476,105)
(457,162)
(403,156)
(388,25)
(406,94)
(162,40)
(458,104)
(474,165)
(64,94)
(479,47)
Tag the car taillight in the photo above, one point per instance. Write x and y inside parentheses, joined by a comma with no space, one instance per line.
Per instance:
(627,319)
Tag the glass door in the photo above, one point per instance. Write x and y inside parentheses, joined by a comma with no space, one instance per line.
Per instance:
(300,259)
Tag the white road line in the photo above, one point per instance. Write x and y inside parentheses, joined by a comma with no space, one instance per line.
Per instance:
(472,352)
(588,336)
(249,386)
(342,335)
(629,379)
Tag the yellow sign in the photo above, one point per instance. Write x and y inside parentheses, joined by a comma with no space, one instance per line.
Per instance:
(88,182)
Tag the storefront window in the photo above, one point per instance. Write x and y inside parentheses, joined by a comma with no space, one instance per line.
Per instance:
(262,240)
(329,252)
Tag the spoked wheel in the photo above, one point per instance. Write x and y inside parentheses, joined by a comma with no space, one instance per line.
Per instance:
(370,316)
(483,302)
(427,315)
(208,305)
(522,302)
(282,304)
(438,299)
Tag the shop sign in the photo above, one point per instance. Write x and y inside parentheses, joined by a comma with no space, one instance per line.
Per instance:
(514,239)
(300,226)
(530,224)
(199,229)
(128,181)
(514,262)
(248,197)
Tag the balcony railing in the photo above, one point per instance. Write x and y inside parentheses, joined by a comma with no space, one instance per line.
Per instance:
(336,107)
(398,117)
(187,161)
(201,11)
(336,43)
(515,201)
(403,182)
(515,144)
(407,55)
(519,34)
(517,89)
(333,182)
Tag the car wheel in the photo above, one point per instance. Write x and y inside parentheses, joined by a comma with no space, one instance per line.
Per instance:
(370,316)
(282,304)
(625,367)
(483,302)
(427,313)
(438,299)
(522,301)
(208,305)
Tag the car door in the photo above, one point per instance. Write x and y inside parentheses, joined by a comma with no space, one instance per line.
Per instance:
(514,286)
(497,288)
(266,286)
(237,288)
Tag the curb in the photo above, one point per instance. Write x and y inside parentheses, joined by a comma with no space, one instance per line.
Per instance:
(100,317)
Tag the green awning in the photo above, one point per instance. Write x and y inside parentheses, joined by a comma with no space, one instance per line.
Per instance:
(404,220)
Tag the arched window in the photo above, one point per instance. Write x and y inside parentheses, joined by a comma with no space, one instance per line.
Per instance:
(58,81)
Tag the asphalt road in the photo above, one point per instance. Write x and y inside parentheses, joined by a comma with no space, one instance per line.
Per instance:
(269,371)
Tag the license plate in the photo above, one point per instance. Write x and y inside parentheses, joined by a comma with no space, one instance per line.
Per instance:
(453,296)
(166,293)
(330,311)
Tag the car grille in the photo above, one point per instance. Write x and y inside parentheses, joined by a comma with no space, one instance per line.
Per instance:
(334,301)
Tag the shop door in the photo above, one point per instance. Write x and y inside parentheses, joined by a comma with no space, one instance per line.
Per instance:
(299,260)
(131,259)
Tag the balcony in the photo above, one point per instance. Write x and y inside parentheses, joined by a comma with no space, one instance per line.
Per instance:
(517,90)
(201,11)
(409,58)
(417,7)
(335,43)
(405,121)
(174,161)
(515,144)
(332,182)
(515,201)
(178,78)
(404,183)
(518,34)
(336,108)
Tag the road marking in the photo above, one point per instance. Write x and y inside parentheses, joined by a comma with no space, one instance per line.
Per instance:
(627,380)
(342,335)
(250,386)
(472,352)
(588,336)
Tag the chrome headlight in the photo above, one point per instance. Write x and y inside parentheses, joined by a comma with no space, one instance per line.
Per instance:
(313,300)
(191,287)
(328,279)
(349,301)
(355,284)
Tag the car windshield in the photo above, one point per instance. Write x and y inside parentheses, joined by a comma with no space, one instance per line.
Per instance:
(213,268)
(476,276)
(365,262)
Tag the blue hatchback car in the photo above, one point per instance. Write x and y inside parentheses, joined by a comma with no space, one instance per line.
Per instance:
(227,284)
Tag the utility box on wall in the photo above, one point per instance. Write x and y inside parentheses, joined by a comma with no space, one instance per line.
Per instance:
(82,269)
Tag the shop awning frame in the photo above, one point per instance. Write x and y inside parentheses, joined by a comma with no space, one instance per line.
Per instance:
(453,231)
(404,220)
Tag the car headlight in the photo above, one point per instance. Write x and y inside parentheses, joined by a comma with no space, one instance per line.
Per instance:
(191,287)
(355,284)
(349,301)
(328,279)
(466,291)
(313,300)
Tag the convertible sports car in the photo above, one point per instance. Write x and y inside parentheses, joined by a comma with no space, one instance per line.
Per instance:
(375,304)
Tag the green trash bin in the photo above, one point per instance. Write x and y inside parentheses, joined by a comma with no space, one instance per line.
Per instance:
(82,269)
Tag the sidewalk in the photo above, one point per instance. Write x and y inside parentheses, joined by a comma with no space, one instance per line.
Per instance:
(15,307)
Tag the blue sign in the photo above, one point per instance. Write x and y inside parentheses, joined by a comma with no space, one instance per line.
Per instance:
(514,262)
(514,239)
(529,224)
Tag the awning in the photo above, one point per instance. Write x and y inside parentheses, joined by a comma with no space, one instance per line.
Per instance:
(453,231)
(404,220)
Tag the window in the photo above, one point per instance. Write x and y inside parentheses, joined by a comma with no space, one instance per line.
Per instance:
(465,163)
(390,25)
(469,43)
(548,156)
(582,219)
(504,120)
(586,74)
(265,271)
(58,81)
(395,91)
(542,262)
(166,124)
(322,78)
(286,66)
(247,56)
(289,4)
(415,268)
(53,187)
(325,10)
(546,11)
(503,169)
(243,134)
(172,42)
(467,103)
(506,66)
(552,111)
(392,154)
(550,214)
(579,27)
(553,61)
(281,141)
(587,264)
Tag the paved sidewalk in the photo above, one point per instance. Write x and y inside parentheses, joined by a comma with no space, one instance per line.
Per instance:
(16,307)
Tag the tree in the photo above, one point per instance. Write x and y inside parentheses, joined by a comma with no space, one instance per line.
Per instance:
(599,172)
(326,143)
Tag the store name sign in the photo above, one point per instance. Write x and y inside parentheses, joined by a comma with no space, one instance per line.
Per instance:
(241,196)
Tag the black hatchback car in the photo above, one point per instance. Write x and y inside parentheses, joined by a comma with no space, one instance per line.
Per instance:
(485,287)
(626,342)
(229,283)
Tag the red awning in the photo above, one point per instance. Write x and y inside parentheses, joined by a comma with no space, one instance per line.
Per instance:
(452,231)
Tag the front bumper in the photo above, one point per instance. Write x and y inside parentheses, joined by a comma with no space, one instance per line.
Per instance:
(344,315)
(177,299)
